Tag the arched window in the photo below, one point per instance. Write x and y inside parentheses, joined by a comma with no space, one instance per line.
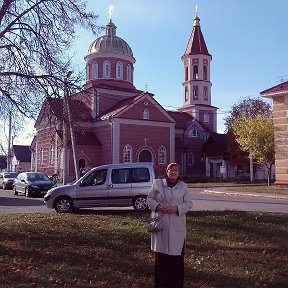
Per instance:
(146,114)
(87,72)
(206,118)
(205,92)
(186,94)
(162,155)
(127,153)
(129,73)
(119,70)
(186,73)
(58,152)
(190,159)
(95,70)
(51,155)
(38,156)
(107,69)
(195,72)
(205,77)
(195,92)
(41,158)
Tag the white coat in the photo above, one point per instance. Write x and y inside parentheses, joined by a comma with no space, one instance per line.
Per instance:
(171,239)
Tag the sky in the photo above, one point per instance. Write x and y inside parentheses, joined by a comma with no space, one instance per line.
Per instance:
(247,40)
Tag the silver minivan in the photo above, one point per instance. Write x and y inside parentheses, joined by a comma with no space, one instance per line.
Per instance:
(112,185)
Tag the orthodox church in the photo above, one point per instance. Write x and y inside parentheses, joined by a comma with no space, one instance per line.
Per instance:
(114,122)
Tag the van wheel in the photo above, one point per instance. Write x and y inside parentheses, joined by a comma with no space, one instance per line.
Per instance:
(63,205)
(139,203)
(15,191)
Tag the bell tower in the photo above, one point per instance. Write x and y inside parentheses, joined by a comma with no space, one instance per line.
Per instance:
(197,84)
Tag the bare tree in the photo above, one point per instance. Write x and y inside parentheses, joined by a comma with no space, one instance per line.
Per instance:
(35,36)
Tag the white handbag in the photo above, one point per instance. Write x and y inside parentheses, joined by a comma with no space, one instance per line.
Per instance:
(155,224)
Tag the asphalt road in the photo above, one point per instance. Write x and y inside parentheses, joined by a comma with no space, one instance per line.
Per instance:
(203,200)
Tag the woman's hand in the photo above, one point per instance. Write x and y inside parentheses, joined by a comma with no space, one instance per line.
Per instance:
(167,209)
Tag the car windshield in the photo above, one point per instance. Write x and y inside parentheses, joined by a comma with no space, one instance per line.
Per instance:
(10,175)
(37,177)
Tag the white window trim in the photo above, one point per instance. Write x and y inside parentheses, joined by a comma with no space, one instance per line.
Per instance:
(41,155)
(51,155)
(146,114)
(119,70)
(127,153)
(106,69)
(162,155)
(95,70)
(87,72)
(189,157)
(129,74)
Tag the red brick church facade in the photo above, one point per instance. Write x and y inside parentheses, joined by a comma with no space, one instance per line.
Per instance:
(114,122)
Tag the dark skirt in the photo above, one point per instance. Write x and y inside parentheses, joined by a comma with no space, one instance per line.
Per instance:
(169,270)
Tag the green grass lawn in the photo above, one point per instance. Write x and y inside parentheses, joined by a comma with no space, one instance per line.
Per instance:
(243,188)
(112,249)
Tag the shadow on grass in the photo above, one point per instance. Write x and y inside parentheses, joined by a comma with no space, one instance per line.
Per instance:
(110,248)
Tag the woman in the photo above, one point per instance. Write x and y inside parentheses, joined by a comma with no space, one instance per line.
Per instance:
(171,198)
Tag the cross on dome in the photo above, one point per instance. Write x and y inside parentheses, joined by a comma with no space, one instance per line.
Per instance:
(111,7)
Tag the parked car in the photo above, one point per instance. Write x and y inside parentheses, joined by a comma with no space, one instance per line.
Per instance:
(32,183)
(113,185)
(7,179)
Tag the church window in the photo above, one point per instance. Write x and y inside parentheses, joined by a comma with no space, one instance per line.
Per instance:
(146,114)
(51,155)
(205,92)
(162,155)
(206,118)
(195,92)
(119,70)
(195,72)
(190,159)
(95,70)
(129,74)
(205,77)
(58,152)
(38,156)
(186,94)
(127,153)
(186,73)
(41,156)
(107,69)
(87,72)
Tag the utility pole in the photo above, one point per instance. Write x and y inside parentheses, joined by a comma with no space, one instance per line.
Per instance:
(9,143)
(72,135)
(251,166)
(64,151)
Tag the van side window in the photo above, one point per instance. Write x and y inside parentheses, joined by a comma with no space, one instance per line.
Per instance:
(140,175)
(120,176)
(97,177)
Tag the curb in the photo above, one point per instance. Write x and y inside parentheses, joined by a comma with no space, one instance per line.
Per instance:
(256,195)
